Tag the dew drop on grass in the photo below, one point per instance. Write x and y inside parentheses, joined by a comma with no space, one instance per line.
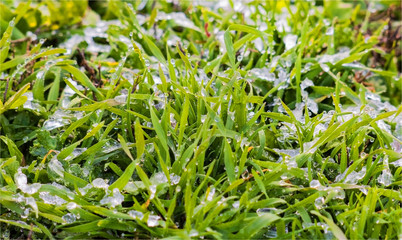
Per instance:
(250,115)
(12,23)
(330,31)
(262,211)
(147,64)
(173,121)
(338,192)
(315,184)
(40,74)
(236,169)
(71,205)
(324,67)
(236,204)
(26,213)
(69,218)
(211,193)
(319,202)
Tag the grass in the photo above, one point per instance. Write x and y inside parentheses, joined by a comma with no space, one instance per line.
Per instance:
(188,120)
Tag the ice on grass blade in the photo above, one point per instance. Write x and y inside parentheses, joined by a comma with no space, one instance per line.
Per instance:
(58,119)
(84,190)
(30,104)
(210,194)
(152,190)
(51,199)
(21,181)
(114,199)
(153,220)
(352,178)
(290,41)
(100,183)
(397,163)
(174,179)
(121,99)
(385,177)
(136,214)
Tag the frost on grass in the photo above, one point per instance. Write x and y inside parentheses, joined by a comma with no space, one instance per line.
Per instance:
(225,144)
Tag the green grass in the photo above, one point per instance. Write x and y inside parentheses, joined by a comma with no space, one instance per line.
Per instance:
(267,119)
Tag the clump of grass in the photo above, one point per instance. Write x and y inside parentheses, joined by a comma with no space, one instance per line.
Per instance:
(195,120)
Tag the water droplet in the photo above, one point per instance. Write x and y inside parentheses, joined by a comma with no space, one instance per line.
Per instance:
(315,184)
(236,204)
(12,23)
(71,205)
(40,74)
(42,41)
(330,31)
(324,67)
(319,202)
(239,58)
(211,193)
(290,41)
(69,218)
(147,63)
(262,211)
(193,233)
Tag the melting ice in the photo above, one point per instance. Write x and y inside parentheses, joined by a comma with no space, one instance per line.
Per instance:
(22,183)
(113,200)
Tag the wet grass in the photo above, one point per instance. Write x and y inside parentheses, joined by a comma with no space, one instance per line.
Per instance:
(182,120)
